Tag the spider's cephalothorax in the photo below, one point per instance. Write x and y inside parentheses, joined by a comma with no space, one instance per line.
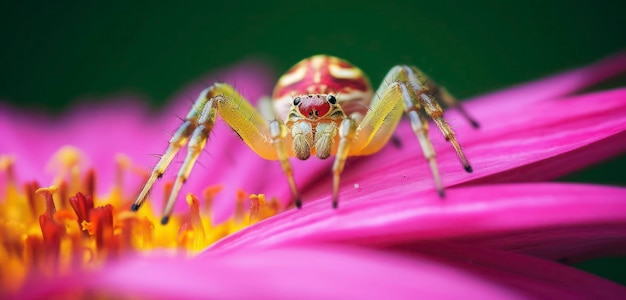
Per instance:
(314,97)
(314,120)
(323,106)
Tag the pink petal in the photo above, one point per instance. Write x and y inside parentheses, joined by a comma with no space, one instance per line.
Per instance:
(555,221)
(548,139)
(439,271)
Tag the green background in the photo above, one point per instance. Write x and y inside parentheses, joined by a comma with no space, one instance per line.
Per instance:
(53,54)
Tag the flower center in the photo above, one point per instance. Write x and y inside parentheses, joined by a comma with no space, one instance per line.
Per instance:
(53,230)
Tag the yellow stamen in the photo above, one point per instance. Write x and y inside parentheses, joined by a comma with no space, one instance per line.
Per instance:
(196,222)
(66,164)
(54,230)
(260,209)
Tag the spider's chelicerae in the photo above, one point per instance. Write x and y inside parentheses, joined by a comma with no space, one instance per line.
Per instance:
(323,106)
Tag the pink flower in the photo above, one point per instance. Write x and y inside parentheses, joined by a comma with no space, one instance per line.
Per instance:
(495,235)
(434,271)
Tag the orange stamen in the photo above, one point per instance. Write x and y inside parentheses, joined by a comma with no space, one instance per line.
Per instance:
(102,221)
(241,205)
(82,206)
(31,188)
(90,182)
(47,194)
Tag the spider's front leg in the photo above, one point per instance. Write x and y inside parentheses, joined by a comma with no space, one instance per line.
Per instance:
(404,89)
(265,138)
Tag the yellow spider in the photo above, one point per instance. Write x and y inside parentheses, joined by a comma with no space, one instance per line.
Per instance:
(323,106)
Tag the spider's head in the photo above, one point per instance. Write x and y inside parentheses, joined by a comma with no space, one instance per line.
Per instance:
(315,106)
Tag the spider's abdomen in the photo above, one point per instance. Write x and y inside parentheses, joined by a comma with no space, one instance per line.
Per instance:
(323,74)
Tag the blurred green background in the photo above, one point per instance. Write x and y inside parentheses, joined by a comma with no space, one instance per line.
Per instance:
(52,54)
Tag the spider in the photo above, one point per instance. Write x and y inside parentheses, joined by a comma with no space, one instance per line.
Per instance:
(322,106)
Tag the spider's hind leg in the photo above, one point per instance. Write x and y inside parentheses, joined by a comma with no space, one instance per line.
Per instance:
(421,89)
(405,89)
(450,101)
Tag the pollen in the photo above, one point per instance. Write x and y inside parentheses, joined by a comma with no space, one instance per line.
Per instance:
(59,228)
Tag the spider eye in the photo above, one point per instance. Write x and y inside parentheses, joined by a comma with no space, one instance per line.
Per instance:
(332,99)
(296,101)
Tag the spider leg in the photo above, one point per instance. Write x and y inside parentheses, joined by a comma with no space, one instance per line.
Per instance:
(265,138)
(266,108)
(176,142)
(347,131)
(194,148)
(278,133)
(420,128)
(363,135)
(450,101)
(418,83)
(402,90)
